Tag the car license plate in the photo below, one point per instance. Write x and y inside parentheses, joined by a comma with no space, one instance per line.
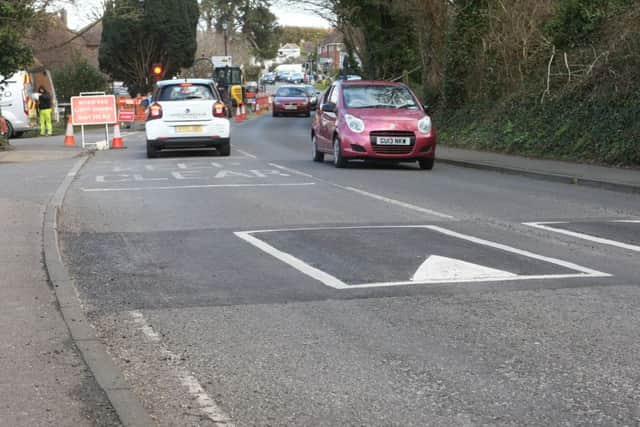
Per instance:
(189,129)
(393,140)
(290,107)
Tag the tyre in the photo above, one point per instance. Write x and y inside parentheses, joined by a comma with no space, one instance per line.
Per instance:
(225,150)
(10,133)
(338,160)
(318,156)
(426,164)
(274,114)
(307,114)
(152,152)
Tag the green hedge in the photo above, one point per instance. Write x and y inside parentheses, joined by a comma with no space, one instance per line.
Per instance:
(599,129)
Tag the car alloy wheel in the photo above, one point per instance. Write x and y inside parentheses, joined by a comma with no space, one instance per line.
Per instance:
(338,160)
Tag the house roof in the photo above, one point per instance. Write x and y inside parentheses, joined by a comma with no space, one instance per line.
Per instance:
(290,46)
(333,37)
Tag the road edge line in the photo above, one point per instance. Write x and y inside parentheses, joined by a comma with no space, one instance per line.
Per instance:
(543,176)
(128,407)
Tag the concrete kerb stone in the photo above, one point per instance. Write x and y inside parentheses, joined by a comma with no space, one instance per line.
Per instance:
(126,404)
(566,179)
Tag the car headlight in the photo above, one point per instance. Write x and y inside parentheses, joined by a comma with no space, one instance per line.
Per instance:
(355,124)
(424,125)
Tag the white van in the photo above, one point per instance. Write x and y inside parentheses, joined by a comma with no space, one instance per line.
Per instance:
(18,103)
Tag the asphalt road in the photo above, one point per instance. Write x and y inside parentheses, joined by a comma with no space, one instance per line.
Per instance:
(266,289)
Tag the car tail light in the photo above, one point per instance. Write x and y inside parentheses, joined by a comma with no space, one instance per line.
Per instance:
(219,110)
(155,112)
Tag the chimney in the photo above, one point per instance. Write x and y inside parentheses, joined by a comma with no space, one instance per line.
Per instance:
(63,16)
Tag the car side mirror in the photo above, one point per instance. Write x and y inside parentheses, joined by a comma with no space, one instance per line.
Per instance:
(329,107)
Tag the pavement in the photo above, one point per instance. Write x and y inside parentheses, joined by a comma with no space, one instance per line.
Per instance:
(44,380)
(621,179)
(265,289)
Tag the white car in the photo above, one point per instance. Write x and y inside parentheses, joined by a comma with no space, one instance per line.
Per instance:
(187,113)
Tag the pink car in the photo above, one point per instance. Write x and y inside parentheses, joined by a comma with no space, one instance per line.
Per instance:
(372,120)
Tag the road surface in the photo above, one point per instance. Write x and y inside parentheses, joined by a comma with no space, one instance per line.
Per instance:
(266,289)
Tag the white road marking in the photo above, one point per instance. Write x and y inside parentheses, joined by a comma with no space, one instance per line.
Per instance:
(396,202)
(595,239)
(284,168)
(500,276)
(496,279)
(192,187)
(187,379)
(565,264)
(368,194)
(437,267)
(244,153)
(294,262)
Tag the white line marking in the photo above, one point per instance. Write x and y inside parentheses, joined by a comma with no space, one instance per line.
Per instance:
(437,267)
(246,154)
(284,168)
(565,264)
(191,187)
(629,221)
(368,194)
(396,202)
(603,241)
(294,262)
(336,283)
(187,379)
(483,280)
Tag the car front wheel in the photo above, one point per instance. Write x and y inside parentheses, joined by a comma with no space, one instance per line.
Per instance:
(426,164)
(318,156)
(338,160)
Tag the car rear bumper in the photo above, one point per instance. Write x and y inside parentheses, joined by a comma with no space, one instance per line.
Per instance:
(166,130)
(189,142)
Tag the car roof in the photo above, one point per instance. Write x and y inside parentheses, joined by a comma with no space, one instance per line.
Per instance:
(370,83)
(163,83)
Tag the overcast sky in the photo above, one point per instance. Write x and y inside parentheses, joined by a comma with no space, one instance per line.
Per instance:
(86,11)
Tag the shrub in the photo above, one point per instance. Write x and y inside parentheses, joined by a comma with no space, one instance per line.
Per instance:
(78,76)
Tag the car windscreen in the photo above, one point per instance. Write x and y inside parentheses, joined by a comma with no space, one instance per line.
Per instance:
(311,91)
(186,91)
(378,96)
(290,92)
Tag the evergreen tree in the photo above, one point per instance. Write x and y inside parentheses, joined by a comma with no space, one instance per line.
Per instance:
(15,17)
(137,35)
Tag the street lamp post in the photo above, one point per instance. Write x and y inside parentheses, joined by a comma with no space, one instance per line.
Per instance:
(224,29)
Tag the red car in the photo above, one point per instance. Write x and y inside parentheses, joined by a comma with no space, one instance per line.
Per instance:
(373,120)
(291,100)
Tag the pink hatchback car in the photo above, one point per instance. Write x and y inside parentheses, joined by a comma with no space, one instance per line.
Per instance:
(372,120)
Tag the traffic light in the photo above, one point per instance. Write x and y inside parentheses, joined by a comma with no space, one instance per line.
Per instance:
(156,71)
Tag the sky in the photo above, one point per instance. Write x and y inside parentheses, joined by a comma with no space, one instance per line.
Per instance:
(86,10)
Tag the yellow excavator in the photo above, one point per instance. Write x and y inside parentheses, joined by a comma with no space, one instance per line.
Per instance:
(230,83)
